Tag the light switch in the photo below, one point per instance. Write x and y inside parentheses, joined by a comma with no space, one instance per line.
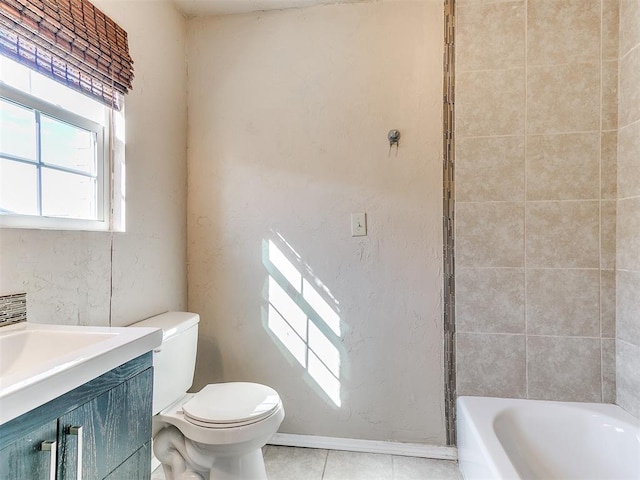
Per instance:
(358,224)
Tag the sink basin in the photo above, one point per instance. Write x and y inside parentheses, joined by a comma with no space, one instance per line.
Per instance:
(41,362)
(24,349)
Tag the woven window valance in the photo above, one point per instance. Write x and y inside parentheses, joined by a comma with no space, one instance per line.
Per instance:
(70,41)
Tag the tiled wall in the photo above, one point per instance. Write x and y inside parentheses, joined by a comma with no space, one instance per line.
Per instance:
(628,235)
(536,134)
(13,308)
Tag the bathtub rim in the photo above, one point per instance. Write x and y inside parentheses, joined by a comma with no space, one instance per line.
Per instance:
(494,459)
(476,413)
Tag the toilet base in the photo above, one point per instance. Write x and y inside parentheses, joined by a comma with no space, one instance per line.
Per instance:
(249,466)
(183,459)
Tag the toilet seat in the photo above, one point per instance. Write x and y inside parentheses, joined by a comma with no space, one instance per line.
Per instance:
(229,405)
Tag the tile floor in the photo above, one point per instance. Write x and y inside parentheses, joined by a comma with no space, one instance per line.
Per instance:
(291,463)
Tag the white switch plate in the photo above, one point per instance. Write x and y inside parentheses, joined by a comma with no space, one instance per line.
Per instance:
(358,224)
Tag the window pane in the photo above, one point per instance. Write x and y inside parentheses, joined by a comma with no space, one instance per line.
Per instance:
(67,146)
(18,133)
(58,94)
(18,188)
(68,195)
(29,81)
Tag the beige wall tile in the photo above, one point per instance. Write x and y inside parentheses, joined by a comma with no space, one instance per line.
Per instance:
(570,177)
(628,234)
(564,368)
(490,103)
(608,370)
(563,98)
(468,2)
(490,169)
(609,95)
(490,300)
(627,378)
(609,165)
(563,167)
(629,92)
(628,212)
(490,234)
(566,31)
(610,29)
(608,303)
(491,365)
(490,36)
(563,234)
(628,165)
(608,234)
(563,302)
(629,25)
(628,307)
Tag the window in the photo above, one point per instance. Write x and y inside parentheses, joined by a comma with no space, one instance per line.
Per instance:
(62,152)
(56,166)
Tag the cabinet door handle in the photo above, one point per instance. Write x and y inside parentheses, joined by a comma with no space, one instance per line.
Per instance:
(52,448)
(77,431)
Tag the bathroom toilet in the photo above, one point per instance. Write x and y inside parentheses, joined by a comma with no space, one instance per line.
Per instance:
(217,433)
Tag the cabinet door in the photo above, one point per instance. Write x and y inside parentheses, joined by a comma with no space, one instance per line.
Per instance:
(106,431)
(136,467)
(25,458)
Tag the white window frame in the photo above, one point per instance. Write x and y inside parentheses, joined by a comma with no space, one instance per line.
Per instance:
(110,137)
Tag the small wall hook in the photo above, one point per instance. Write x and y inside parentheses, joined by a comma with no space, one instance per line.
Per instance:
(394,137)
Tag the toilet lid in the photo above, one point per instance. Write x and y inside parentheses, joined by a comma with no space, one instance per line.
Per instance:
(238,403)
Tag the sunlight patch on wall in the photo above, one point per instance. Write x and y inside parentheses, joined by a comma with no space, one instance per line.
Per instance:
(303,317)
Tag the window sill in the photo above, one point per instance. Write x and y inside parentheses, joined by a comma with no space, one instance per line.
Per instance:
(52,223)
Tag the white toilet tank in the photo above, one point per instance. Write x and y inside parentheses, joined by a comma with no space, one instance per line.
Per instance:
(174,361)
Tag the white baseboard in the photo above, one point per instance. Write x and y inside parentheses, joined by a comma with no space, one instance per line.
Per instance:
(366,446)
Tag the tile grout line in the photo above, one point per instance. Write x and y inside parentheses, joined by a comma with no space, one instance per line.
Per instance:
(534,66)
(490,267)
(324,467)
(600,204)
(552,133)
(630,124)
(571,200)
(628,52)
(393,465)
(532,335)
(526,164)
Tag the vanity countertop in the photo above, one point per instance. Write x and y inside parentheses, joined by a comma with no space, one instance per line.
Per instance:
(41,362)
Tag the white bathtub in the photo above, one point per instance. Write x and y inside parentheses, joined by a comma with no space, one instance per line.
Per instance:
(502,438)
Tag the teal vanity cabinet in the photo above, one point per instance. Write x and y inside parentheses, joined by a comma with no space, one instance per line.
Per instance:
(25,457)
(100,430)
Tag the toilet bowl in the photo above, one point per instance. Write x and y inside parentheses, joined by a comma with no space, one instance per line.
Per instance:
(214,434)
(215,438)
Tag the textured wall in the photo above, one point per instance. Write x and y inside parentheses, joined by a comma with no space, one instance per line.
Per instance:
(288,119)
(68,275)
(536,111)
(628,234)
